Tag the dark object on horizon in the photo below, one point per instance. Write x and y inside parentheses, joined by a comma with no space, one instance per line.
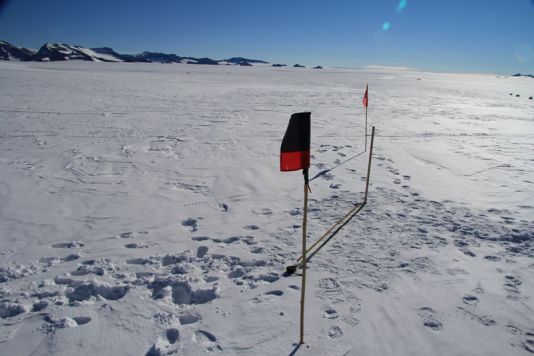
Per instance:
(245,64)
(298,66)
(530,98)
(517,95)
(511,94)
(278,65)
(317,67)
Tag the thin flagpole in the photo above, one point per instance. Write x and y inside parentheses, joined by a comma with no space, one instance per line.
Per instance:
(365,150)
(366,96)
(369,166)
(303,287)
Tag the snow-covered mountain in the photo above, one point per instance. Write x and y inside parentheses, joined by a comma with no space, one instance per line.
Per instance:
(63,52)
(50,52)
(239,60)
(9,52)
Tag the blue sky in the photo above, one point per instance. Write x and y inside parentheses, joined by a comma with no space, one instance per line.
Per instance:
(457,35)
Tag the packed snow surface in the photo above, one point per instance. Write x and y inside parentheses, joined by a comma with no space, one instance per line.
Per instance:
(143,212)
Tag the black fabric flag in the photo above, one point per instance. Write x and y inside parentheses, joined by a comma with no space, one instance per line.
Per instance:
(295,150)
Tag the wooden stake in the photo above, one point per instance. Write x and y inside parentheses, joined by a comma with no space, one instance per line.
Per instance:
(303,286)
(369,166)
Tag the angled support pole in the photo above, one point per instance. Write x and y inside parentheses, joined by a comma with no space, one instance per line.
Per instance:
(312,250)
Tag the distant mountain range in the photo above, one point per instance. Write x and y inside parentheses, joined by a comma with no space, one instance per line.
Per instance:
(50,52)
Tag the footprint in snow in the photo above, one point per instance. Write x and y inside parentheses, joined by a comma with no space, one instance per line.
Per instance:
(190,224)
(143,244)
(201,251)
(200,238)
(165,345)
(69,244)
(427,314)
(173,335)
(189,318)
(251,227)
(263,211)
(66,322)
(335,332)
(470,299)
(350,320)
(275,292)
(207,339)
(330,314)
(71,257)
(127,235)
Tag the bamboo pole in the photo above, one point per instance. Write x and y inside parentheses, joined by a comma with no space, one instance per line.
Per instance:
(369,165)
(330,230)
(365,149)
(350,214)
(304,226)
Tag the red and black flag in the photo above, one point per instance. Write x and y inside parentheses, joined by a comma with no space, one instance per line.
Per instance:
(365,100)
(295,150)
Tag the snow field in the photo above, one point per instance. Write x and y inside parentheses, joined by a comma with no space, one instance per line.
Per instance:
(143,211)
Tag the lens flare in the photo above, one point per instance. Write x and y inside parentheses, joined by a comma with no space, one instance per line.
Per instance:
(402,5)
(386,26)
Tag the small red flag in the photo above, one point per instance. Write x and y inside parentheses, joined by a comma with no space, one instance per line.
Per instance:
(365,100)
(295,149)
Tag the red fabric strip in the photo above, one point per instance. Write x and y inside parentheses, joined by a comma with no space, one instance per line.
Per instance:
(292,161)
